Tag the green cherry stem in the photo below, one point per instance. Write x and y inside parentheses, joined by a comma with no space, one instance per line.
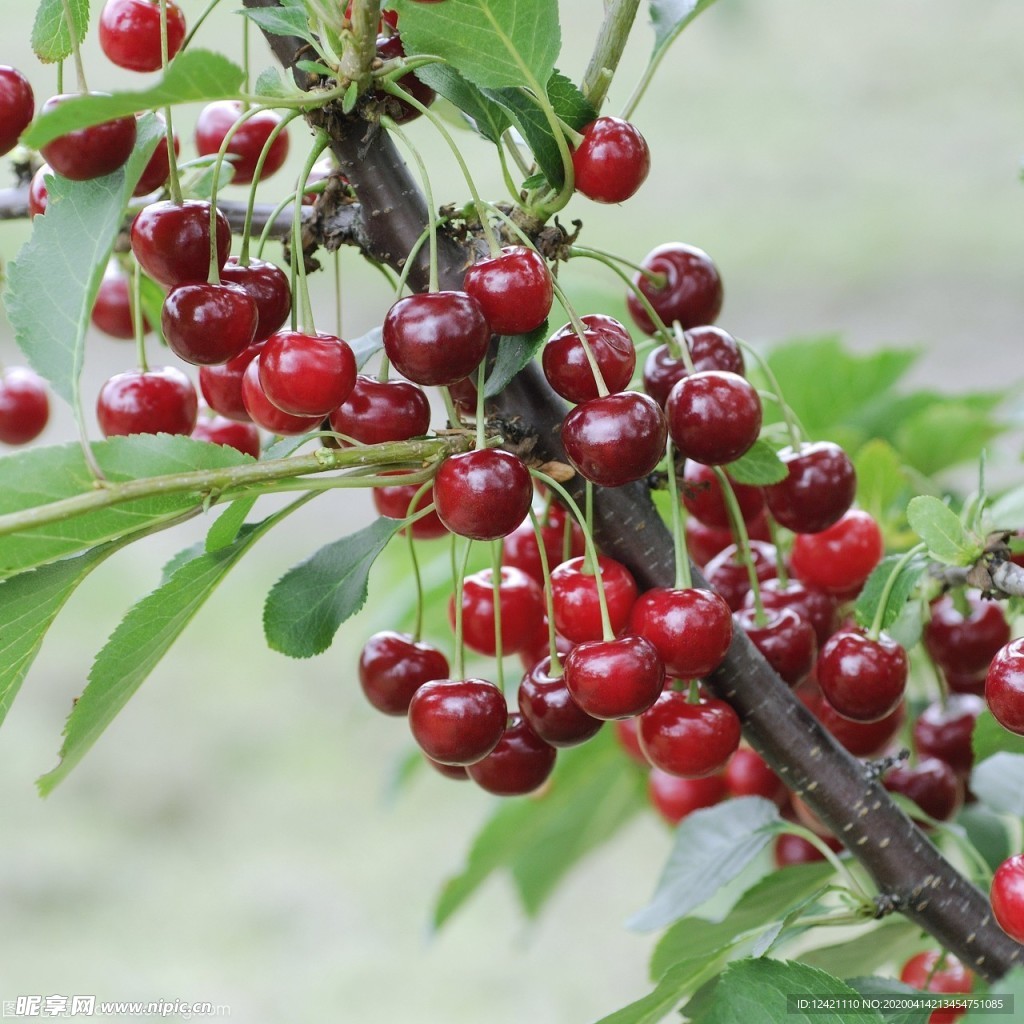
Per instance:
(320,143)
(414,560)
(138,320)
(683,580)
(458,576)
(481,413)
(207,11)
(454,416)
(173,181)
(883,600)
(781,572)
(60,77)
(739,529)
(793,426)
(499,667)
(581,333)
(75,45)
(680,348)
(555,669)
(613,259)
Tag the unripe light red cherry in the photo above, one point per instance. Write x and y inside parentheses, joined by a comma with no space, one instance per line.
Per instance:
(129,32)
(748,774)
(840,558)
(24,405)
(513,288)
(395,501)
(457,721)
(216,120)
(612,161)
(942,973)
(1007,896)
(156,401)
(243,437)
(483,494)
(90,152)
(393,666)
(38,192)
(675,798)
(111,312)
(17,105)
(614,678)
(520,763)
(692,740)
(264,413)
(714,417)
(691,292)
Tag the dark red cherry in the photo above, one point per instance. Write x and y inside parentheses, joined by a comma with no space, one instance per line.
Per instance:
(388,48)
(160,401)
(17,106)
(945,731)
(519,764)
(520,546)
(539,646)
(217,119)
(91,152)
(243,437)
(483,494)
(267,285)
(861,678)
(862,739)
(513,289)
(965,643)
(748,774)
(130,33)
(545,702)
(38,192)
(711,348)
(931,784)
(574,595)
(786,641)
(111,312)
(568,369)
(674,798)
(222,385)
(971,682)
(382,410)
(457,721)
(691,292)
(393,666)
(840,558)
(456,772)
(704,542)
(172,241)
(394,501)
(158,168)
(522,610)
(307,374)
(206,324)
(614,678)
(612,160)
(793,849)
(729,577)
(264,413)
(24,405)
(703,498)
(713,417)
(692,740)
(819,488)
(815,606)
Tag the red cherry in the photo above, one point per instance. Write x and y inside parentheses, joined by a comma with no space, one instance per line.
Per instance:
(786,640)
(628,737)
(222,385)
(941,972)
(243,437)
(85,153)
(689,740)
(457,721)
(158,168)
(704,542)
(307,374)
(819,488)
(539,646)
(614,678)
(703,498)
(794,849)
(519,764)
(545,702)
(388,48)
(714,417)
(711,348)
(945,731)
(130,33)
(675,798)
(483,494)
(172,241)
(1004,687)
(382,410)
(691,293)
(520,546)
(456,772)
(931,784)
(393,501)
(264,413)
(1007,896)
(513,289)
(17,106)
(862,739)
(730,579)
(112,312)
(812,605)
(160,401)
(612,160)
(208,323)
(267,285)
(522,610)
(37,191)
(839,558)
(393,666)
(973,682)
(24,405)
(748,774)
(965,644)
(574,595)
(567,368)
(861,678)
(218,118)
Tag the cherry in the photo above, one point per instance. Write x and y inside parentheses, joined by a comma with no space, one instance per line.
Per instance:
(513,289)
(436,337)
(160,401)
(692,740)
(519,764)
(90,152)
(545,702)
(931,784)
(815,606)
(675,798)
(612,160)
(208,323)
(627,735)
(388,48)
(539,646)
(730,578)
(839,558)
(1004,687)
(614,678)
(1007,896)
(567,368)
(222,385)
(393,666)
(382,410)
(522,610)
(793,849)
(158,168)
(945,730)
(457,721)
(172,241)
(819,487)
(748,774)
(38,192)
(130,33)
(710,348)
(112,312)
(307,374)
(267,285)
(463,394)
(971,682)
(218,118)
(17,105)
(574,596)
(483,494)
(786,641)
(862,739)
(615,439)
(520,546)
(861,678)
(691,292)
(24,405)
(264,413)
(704,542)
(713,416)
(941,972)
(394,500)
(243,437)
(456,772)
(703,498)
(965,644)
(691,629)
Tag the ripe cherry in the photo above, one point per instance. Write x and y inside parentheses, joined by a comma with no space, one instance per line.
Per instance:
(394,502)
(628,738)
(692,740)
(264,413)
(513,289)
(24,405)
(267,285)
(208,323)
(861,678)
(38,192)
(818,490)
(307,374)
(839,558)
(519,764)
(945,731)
(172,241)
(522,610)
(393,666)
(160,401)
(567,368)
(862,739)
(222,385)
(388,48)
(90,152)
(243,437)
(382,410)
(539,646)
(130,33)
(17,105)
(158,168)
(574,595)
(691,292)
(748,774)
(112,312)
(218,118)
(714,417)
(457,721)
(545,702)
(614,678)
(793,849)
(710,348)
(729,577)
(942,973)
(483,494)
(704,542)
(1004,687)
(703,498)
(786,640)
(675,798)
(1007,896)
(931,784)
(612,160)
(965,643)
(520,546)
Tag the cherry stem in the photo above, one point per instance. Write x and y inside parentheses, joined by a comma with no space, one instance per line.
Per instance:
(739,529)
(60,77)
(292,197)
(611,259)
(481,415)
(555,669)
(581,333)
(517,153)
(337,294)
(75,45)
(678,335)
(883,600)
(245,55)
(384,370)
(496,584)
(513,189)
(410,261)
(458,577)
(588,509)
(138,324)
(320,143)
(830,855)
(454,417)
(684,580)
(611,41)
(414,559)
(693,692)
(793,426)
(781,572)
(173,181)
(207,11)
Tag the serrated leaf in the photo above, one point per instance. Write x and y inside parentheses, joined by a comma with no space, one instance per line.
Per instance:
(289,19)
(493,43)
(712,846)
(228,524)
(71,243)
(989,738)
(678,982)
(890,987)
(272,84)
(759,466)
(866,952)
(514,352)
(489,118)
(51,40)
(998,782)
(307,605)
(193,75)
(903,586)
(941,530)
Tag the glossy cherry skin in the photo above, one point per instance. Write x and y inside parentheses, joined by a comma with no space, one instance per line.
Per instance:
(689,740)
(793,849)
(519,764)
(457,721)
(216,120)
(943,973)
(455,772)
(711,348)
(714,417)
(574,595)
(483,494)
(704,542)
(382,410)
(862,739)
(1007,896)
(24,405)
(931,784)
(520,546)
(691,629)
(819,488)
(267,285)
(1004,687)
(839,558)
(612,161)
(522,610)
(207,324)
(812,605)
(222,385)
(691,293)
(17,106)
(514,289)
(158,168)
(160,401)
(567,368)
(172,241)
(436,337)
(130,33)
(748,774)
(539,646)
(85,153)
(111,312)
(545,702)
(394,500)
(393,666)
(307,374)
(786,641)
(862,679)
(966,644)
(945,731)
(730,579)
(614,678)
(674,798)
(264,413)
(38,192)
(702,496)
(243,437)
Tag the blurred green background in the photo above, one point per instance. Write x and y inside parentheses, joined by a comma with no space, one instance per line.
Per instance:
(235,836)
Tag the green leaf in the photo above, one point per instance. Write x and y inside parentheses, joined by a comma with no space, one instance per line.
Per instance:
(367,345)
(72,245)
(882,484)
(759,466)
(272,84)
(493,43)
(307,605)
(314,67)
(670,17)
(228,524)
(712,846)
(948,431)
(986,831)
(989,738)
(998,782)
(51,39)
(1007,511)
(871,595)
(1011,987)
(192,76)
(288,19)
(678,982)
(488,117)
(152,296)
(941,530)
(889,987)
(514,352)
(866,952)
